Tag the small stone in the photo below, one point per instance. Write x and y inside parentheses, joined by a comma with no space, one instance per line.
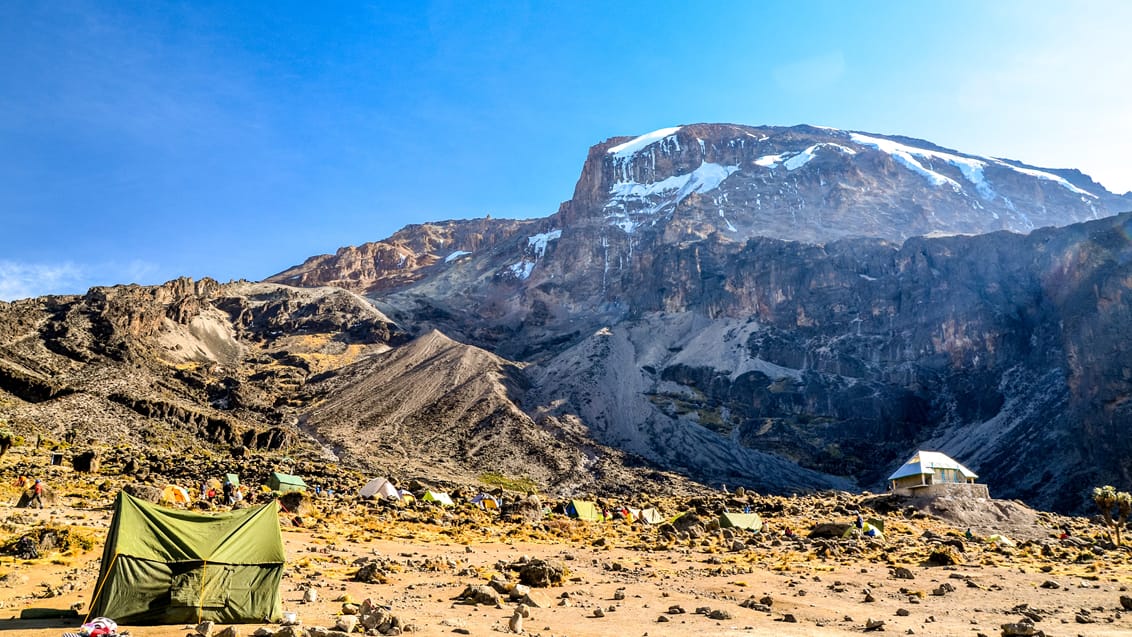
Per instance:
(229,631)
(516,623)
(310,596)
(901,572)
(869,598)
(1126,602)
(903,612)
(1082,618)
(719,614)
(1024,628)
(874,624)
(662,619)
(619,594)
(346,623)
(536,600)
(676,610)
(480,595)
(598,612)
(789,618)
(205,628)
(1051,584)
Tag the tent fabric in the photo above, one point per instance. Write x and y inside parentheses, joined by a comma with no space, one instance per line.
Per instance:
(584,510)
(485,501)
(439,497)
(746,521)
(866,529)
(232,479)
(167,566)
(650,516)
(284,482)
(174,494)
(379,488)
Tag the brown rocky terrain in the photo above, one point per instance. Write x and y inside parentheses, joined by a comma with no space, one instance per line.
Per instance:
(431,570)
(320,374)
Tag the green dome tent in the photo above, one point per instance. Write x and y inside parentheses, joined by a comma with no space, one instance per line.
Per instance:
(168,566)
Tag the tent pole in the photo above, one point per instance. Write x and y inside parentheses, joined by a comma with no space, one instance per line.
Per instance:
(98,591)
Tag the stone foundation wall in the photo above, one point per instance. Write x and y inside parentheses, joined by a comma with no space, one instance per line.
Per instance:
(954,490)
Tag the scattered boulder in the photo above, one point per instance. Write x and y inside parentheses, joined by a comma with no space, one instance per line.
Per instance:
(828,530)
(480,595)
(86,462)
(146,492)
(944,556)
(370,573)
(541,573)
(1023,628)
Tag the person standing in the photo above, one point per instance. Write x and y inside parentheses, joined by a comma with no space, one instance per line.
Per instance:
(37,494)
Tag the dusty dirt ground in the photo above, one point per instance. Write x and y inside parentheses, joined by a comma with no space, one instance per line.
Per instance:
(611,567)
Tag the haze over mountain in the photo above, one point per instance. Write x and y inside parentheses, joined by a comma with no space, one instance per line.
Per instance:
(780,308)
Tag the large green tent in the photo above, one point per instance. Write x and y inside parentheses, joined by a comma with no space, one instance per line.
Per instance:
(169,566)
(584,510)
(284,482)
(747,521)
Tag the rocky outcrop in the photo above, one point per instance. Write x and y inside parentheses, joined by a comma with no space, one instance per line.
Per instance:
(179,364)
(401,259)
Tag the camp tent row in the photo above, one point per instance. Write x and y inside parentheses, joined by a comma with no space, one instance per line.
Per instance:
(589,511)
(170,566)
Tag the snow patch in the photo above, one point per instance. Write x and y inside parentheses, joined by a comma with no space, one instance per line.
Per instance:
(629,148)
(538,242)
(455,255)
(522,269)
(769,161)
(670,191)
(728,222)
(703,179)
(906,156)
(1064,183)
(804,157)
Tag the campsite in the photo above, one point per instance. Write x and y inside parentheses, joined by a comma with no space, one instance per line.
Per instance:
(443,562)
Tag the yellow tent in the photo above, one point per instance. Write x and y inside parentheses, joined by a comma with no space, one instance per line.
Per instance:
(173,494)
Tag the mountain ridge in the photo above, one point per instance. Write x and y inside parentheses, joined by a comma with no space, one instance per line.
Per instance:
(848,345)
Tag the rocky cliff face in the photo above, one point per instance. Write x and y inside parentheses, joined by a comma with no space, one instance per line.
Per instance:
(803,307)
(403,258)
(192,365)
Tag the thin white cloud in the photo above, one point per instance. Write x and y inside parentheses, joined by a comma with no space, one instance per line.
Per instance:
(28,280)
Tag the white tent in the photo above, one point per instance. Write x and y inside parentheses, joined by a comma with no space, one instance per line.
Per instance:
(379,488)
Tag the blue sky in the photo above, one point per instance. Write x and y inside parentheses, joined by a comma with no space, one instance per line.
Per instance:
(143,141)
